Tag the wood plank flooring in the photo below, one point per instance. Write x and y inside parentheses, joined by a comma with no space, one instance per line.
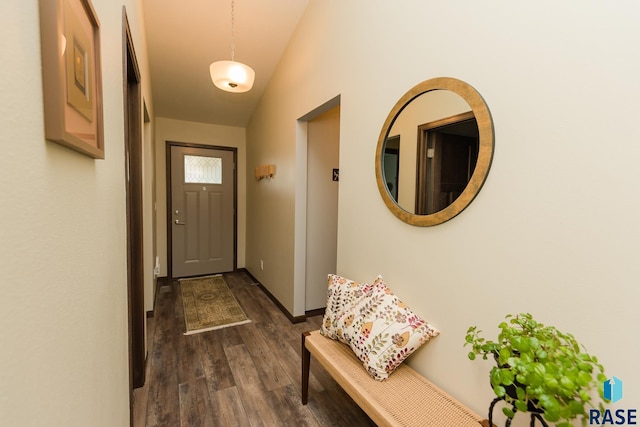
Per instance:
(246,375)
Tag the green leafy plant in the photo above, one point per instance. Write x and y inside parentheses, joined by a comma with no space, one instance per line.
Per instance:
(540,369)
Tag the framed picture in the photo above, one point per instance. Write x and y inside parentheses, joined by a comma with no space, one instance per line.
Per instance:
(72,75)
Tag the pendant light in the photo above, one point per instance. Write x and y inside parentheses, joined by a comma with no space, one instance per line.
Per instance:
(232,76)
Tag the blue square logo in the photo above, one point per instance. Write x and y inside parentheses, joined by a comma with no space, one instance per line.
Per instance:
(613,389)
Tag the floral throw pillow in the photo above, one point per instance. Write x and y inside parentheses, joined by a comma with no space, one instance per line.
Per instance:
(342,293)
(382,331)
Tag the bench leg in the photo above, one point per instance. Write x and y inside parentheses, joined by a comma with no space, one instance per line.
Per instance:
(306,361)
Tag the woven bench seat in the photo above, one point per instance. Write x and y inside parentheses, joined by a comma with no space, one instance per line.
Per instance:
(405,399)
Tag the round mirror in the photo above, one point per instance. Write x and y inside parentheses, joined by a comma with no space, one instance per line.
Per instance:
(434,151)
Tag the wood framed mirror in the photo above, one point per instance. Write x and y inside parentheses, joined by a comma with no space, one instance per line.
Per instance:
(434,151)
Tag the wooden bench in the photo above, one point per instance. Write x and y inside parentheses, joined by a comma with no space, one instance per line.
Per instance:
(405,399)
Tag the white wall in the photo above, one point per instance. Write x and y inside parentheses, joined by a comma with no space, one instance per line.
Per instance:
(205,134)
(554,230)
(63,311)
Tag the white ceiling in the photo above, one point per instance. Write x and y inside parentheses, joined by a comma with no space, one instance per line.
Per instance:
(185,37)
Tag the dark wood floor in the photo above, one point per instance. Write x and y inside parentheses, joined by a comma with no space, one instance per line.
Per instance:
(247,375)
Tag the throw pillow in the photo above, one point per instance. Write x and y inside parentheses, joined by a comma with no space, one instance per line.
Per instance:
(383,331)
(342,293)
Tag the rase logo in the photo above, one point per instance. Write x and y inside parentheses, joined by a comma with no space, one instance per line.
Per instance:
(613,389)
(612,393)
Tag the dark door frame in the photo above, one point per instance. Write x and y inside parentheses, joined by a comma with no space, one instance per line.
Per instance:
(133,172)
(168,212)
(428,134)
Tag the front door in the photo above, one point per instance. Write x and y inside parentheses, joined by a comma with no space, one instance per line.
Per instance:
(202,210)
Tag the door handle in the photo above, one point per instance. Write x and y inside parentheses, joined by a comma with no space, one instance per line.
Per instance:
(178,222)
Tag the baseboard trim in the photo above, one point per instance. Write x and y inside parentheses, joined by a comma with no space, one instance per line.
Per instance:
(316,312)
(292,319)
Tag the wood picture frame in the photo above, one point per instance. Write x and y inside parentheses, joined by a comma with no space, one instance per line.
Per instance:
(72,75)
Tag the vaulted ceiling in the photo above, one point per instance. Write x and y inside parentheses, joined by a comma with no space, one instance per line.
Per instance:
(185,37)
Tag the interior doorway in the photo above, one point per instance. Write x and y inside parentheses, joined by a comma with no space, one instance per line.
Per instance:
(323,175)
(447,156)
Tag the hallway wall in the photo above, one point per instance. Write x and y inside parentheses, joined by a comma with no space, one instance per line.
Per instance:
(554,230)
(205,134)
(63,311)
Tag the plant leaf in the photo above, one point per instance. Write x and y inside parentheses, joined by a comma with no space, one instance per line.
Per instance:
(521,405)
(506,376)
(508,412)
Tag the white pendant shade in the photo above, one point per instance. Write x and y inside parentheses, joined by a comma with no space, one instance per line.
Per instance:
(232,76)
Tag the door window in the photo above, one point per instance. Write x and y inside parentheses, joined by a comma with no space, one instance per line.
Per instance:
(202,170)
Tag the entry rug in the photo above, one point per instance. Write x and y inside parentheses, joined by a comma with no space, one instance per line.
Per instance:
(209,304)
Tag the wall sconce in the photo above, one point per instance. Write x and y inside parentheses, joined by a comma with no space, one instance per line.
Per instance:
(265,171)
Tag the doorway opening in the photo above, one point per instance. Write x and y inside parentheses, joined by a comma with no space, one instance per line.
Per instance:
(317,205)
(447,156)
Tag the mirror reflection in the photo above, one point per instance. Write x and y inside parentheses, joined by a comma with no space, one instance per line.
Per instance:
(434,151)
(430,152)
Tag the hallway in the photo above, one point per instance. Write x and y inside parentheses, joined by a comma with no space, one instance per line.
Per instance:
(247,375)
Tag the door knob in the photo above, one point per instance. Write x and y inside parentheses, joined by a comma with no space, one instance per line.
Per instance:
(178,222)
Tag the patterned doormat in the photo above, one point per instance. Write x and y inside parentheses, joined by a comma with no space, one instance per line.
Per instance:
(209,304)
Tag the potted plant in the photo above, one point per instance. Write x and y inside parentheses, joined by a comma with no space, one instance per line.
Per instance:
(540,369)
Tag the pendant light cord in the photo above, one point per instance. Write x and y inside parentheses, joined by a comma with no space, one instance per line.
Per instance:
(233,31)
(232,76)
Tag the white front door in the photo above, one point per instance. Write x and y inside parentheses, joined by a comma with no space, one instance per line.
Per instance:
(202,211)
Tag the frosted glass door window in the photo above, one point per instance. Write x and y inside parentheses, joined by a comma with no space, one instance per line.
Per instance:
(202,170)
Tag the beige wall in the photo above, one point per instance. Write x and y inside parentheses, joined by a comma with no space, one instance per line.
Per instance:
(63,311)
(553,232)
(197,133)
